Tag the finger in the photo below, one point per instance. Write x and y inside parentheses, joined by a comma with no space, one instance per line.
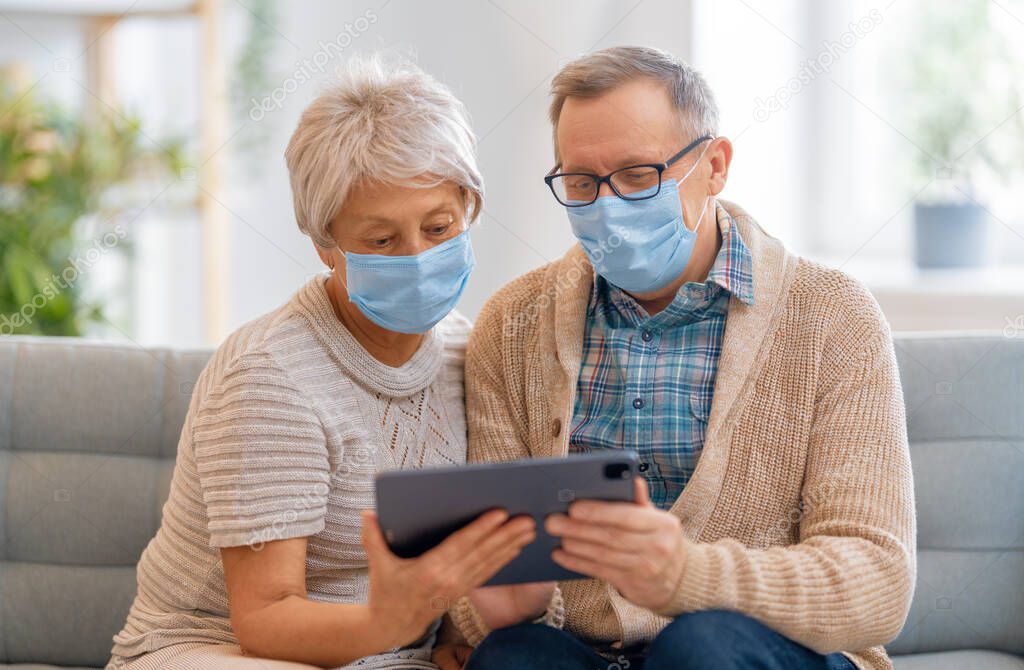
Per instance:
(627,516)
(614,538)
(459,543)
(641,493)
(462,653)
(479,570)
(586,566)
(599,553)
(482,572)
(511,532)
(372,537)
(446,658)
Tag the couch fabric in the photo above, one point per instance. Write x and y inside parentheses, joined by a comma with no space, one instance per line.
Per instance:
(88,433)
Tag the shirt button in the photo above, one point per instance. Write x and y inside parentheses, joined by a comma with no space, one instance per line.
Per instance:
(638,403)
(556,428)
(647,336)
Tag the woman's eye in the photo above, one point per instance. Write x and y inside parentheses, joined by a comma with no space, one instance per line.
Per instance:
(439,229)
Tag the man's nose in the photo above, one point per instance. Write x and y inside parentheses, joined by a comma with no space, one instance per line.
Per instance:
(604,188)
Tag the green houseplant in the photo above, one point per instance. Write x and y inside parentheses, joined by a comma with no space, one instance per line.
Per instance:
(58,168)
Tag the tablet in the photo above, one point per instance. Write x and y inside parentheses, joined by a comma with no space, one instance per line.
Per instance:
(418,509)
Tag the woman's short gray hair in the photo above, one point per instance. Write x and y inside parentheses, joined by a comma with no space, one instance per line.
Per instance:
(385,120)
(596,73)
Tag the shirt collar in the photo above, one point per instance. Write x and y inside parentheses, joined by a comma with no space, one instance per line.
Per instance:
(733,267)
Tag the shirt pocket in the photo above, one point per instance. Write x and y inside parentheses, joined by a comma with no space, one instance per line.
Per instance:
(700,408)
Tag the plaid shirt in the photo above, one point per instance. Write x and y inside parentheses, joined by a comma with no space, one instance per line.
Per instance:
(646,382)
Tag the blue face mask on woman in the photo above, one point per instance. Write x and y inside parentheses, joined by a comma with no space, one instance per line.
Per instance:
(410,294)
(638,245)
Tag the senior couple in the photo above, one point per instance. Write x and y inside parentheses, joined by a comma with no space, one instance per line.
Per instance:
(774,522)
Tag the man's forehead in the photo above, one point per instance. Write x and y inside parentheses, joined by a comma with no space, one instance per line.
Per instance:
(635,118)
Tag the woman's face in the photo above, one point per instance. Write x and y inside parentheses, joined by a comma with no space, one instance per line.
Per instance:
(398,220)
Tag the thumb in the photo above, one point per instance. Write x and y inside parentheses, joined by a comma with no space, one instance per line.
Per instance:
(640,493)
(373,539)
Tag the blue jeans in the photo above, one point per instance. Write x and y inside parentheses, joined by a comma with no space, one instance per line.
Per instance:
(706,640)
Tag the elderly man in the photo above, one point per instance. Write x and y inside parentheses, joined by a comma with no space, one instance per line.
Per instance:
(775,526)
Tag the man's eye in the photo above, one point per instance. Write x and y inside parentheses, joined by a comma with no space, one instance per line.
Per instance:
(439,229)
(381,243)
(581,183)
(636,175)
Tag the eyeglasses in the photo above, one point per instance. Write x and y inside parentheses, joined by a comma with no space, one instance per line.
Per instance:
(633,182)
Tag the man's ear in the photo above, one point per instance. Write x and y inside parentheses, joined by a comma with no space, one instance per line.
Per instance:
(720,152)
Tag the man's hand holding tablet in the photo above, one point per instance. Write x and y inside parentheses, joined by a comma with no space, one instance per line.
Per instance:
(635,547)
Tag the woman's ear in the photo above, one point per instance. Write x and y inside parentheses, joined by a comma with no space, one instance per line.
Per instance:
(326,255)
(721,156)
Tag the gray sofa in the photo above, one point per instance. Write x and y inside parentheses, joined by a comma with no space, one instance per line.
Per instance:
(87,443)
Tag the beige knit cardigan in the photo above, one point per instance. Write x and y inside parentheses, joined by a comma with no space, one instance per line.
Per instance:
(800,512)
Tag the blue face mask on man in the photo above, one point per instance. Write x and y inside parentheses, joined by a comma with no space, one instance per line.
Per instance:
(638,245)
(410,294)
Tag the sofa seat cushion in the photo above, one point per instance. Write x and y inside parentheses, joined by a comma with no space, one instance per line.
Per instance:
(959,660)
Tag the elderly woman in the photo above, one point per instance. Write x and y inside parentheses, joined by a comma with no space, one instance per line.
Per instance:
(268,556)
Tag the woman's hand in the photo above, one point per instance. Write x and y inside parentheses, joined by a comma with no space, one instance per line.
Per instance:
(406,595)
(502,606)
(451,656)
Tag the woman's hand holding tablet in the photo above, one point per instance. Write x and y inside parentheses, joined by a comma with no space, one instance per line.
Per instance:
(408,594)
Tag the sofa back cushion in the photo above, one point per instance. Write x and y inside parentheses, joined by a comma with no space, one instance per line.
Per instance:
(965,420)
(88,436)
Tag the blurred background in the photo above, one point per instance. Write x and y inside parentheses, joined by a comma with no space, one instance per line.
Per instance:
(144,197)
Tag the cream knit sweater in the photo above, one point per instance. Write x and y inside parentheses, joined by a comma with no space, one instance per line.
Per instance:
(800,512)
(289,424)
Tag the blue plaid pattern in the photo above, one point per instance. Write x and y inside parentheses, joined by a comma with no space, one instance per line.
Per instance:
(646,382)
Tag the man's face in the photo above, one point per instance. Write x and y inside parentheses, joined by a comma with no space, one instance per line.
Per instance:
(631,124)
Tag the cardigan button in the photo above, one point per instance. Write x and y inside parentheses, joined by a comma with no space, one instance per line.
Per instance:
(556,428)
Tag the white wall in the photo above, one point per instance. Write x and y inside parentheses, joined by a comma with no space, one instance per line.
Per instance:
(499,58)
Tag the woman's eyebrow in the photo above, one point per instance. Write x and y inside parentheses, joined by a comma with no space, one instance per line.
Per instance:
(444,207)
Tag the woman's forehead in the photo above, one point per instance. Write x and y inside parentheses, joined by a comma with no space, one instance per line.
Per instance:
(382,203)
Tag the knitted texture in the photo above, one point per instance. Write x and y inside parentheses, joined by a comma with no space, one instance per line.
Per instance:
(800,512)
(289,423)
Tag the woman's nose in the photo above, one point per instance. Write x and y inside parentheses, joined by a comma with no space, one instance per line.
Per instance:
(414,247)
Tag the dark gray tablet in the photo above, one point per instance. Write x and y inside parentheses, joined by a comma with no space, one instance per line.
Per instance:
(419,508)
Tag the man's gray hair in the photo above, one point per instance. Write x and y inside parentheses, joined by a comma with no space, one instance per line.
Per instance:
(596,73)
(385,121)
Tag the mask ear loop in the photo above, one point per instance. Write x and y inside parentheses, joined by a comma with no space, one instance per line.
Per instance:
(703,211)
(685,177)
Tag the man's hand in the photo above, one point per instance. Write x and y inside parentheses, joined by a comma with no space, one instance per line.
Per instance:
(636,547)
(451,656)
(502,606)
